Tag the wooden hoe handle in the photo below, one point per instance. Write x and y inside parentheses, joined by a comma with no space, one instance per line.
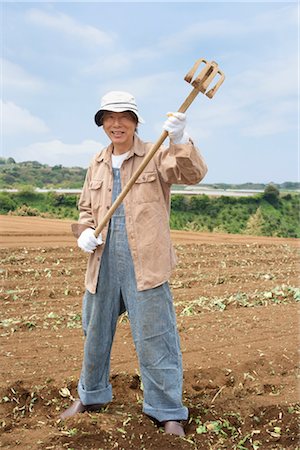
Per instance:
(200,83)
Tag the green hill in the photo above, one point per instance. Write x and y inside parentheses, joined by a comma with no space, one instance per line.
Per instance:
(33,173)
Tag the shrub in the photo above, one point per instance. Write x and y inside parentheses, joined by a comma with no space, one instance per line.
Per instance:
(271,194)
(199,203)
(179,202)
(6,203)
(25,210)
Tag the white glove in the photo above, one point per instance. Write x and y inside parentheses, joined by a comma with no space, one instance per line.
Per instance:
(175,126)
(88,242)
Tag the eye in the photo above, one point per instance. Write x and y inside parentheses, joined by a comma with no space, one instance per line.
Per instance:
(108,116)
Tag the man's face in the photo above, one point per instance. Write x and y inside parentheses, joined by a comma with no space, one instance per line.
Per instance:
(120,128)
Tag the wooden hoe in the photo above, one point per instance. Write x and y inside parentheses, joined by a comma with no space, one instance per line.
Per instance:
(201,84)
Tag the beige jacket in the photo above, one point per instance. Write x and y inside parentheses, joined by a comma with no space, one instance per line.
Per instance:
(147,206)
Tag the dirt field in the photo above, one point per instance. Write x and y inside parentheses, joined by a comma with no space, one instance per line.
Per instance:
(237,301)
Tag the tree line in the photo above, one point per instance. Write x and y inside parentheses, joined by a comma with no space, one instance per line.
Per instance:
(270,213)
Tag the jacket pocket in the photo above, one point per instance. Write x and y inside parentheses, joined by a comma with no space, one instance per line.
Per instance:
(95,190)
(146,188)
(95,184)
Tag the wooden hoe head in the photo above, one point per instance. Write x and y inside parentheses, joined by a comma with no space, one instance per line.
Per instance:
(206,76)
(202,81)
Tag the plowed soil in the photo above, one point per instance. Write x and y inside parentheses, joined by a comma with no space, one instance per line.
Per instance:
(236,299)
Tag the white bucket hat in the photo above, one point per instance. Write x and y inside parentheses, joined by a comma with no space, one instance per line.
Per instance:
(117,101)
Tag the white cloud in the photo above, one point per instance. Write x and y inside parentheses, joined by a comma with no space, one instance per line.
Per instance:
(150,85)
(279,19)
(14,77)
(273,79)
(272,120)
(266,125)
(120,62)
(199,31)
(57,152)
(16,120)
(67,25)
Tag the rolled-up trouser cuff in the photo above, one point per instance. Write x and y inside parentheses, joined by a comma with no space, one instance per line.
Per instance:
(162,415)
(102,396)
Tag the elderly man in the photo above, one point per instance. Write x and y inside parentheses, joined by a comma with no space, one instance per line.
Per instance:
(131,261)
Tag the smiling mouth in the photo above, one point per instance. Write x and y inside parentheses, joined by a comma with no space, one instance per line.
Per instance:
(117,133)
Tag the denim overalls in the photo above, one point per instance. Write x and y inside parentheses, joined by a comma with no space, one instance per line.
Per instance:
(153,326)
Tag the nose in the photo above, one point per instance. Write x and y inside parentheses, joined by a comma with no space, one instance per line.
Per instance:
(116,121)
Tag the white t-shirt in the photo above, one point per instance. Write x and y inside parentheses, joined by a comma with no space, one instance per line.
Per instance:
(117,160)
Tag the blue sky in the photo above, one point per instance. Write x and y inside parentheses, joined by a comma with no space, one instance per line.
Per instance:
(59,58)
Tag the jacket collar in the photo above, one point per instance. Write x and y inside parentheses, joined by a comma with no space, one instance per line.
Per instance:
(138,148)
